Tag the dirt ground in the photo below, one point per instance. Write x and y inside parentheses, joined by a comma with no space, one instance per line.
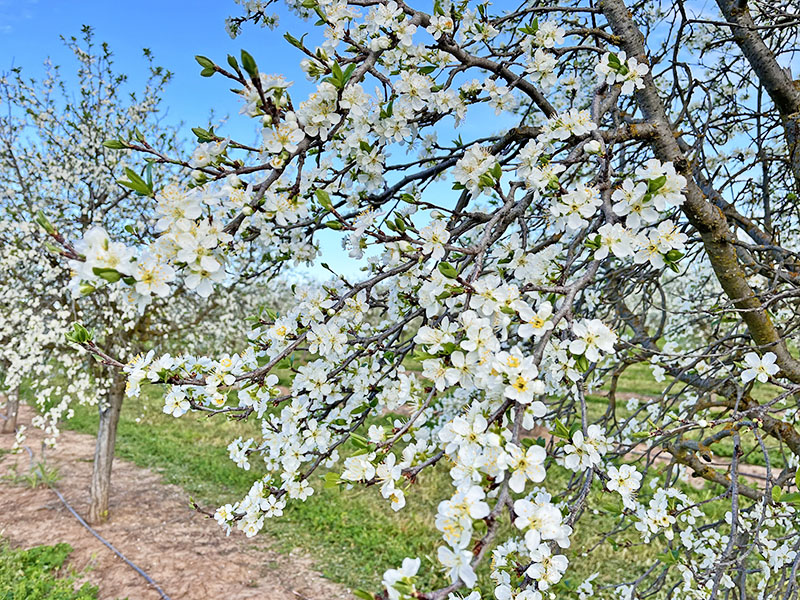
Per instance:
(186,554)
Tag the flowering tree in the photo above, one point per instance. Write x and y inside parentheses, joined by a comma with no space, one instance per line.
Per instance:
(620,189)
(53,158)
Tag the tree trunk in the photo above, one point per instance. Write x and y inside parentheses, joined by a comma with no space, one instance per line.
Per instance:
(104,451)
(12,409)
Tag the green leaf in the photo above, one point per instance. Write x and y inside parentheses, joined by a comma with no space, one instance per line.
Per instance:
(249,64)
(448,270)
(593,243)
(336,70)
(530,29)
(332,480)
(79,334)
(670,557)
(207,72)
(234,64)
(793,497)
(388,111)
(359,441)
(363,595)
(486,180)
(674,255)
(294,41)
(110,275)
(776,494)
(797,479)
(404,586)
(561,430)
(114,144)
(204,62)
(656,184)
(611,508)
(334,225)
(136,183)
(85,290)
(44,223)
(202,134)
(324,199)
(348,73)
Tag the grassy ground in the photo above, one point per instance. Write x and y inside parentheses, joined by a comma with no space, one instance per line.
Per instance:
(352,535)
(34,574)
(638,380)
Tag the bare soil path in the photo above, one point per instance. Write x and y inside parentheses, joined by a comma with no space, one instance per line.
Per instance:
(188,555)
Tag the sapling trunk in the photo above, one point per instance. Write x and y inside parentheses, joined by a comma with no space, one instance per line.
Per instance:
(104,451)
(12,409)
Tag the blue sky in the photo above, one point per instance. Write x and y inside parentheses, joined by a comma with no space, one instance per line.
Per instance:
(174,31)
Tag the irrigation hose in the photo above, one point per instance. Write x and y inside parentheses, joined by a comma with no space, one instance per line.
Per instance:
(108,544)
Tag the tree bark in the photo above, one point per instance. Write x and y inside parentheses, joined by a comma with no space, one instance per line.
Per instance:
(104,451)
(707,219)
(776,80)
(12,409)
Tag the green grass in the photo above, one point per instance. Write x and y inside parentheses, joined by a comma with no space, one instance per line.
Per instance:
(638,379)
(353,536)
(34,574)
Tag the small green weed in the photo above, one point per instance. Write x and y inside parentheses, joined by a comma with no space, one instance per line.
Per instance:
(33,575)
(40,475)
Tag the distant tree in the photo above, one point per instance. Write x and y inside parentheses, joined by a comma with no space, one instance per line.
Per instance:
(53,159)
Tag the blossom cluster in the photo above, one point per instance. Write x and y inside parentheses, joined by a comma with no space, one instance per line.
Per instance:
(479,321)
